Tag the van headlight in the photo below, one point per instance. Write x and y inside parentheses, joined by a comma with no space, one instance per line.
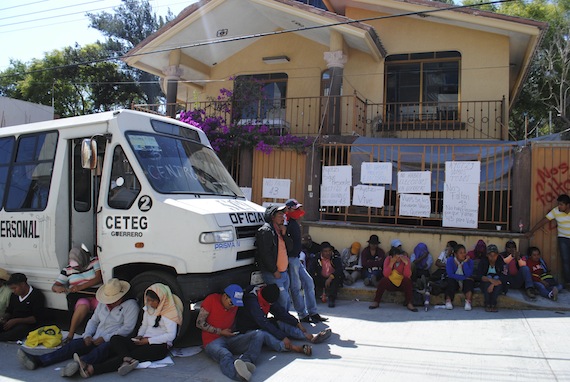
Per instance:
(216,237)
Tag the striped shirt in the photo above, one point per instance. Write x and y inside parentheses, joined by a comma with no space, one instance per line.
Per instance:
(562,221)
(70,276)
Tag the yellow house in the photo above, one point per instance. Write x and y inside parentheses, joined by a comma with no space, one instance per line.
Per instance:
(424,81)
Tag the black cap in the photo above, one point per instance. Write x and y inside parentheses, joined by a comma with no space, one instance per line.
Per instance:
(374,239)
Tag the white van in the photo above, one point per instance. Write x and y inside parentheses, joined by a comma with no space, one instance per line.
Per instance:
(156,204)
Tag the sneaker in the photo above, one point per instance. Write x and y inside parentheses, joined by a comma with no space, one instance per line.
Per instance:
(250,367)
(530,293)
(70,369)
(467,305)
(448,305)
(318,318)
(27,360)
(367,282)
(555,294)
(241,370)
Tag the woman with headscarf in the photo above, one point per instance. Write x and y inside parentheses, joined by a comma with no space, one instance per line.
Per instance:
(421,263)
(79,279)
(161,318)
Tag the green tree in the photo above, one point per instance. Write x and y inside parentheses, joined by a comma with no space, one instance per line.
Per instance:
(130,24)
(76,80)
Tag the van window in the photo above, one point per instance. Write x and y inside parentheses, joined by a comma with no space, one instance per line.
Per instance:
(6,149)
(125,186)
(30,176)
(81,182)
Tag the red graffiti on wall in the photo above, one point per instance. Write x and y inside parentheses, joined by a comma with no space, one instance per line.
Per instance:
(549,185)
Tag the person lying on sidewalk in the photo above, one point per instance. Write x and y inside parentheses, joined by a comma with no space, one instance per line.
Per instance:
(259,301)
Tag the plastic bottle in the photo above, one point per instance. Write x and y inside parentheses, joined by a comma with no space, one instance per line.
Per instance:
(521,226)
(426,301)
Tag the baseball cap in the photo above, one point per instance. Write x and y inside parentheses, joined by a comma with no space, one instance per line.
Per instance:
(492,248)
(235,293)
(355,248)
(293,203)
(395,243)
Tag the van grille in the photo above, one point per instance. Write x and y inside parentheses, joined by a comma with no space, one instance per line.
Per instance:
(246,231)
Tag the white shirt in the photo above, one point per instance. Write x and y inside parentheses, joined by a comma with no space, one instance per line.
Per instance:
(164,333)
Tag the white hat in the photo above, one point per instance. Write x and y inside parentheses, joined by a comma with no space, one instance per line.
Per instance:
(112,291)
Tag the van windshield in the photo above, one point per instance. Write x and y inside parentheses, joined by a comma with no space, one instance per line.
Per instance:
(176,165)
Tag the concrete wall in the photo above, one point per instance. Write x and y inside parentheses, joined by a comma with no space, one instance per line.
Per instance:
(16,112)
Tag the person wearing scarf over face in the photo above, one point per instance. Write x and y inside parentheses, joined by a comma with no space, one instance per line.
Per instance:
(161,317)
(77,280)
(421,263)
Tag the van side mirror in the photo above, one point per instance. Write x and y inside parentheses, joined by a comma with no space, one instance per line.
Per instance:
(89,154)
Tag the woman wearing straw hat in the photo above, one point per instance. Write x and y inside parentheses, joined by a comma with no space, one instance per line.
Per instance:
(161,318)
(5,291)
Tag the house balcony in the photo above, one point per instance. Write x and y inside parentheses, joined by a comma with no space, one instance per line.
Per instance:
(353,116)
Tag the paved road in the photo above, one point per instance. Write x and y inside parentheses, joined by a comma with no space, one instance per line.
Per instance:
(389,344)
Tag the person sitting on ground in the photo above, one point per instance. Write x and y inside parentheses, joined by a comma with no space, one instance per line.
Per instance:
(372,260)
(396,243)
(441,262)
(327,273)
(115,315)
(258,302)
(350,262)
(459,277)
(82,273)
(544,282)
(421,264)
(493,271)
(25,309)
(162,315)
(5,291)
(397,272)
(519,275)
(220,339)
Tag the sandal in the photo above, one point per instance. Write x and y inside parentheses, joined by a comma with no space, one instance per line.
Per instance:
(307,350)
(129,365)
(83,367)
(374,305)
(321,336)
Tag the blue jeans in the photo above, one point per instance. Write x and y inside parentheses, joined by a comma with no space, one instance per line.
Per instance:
(491,298)
(369,273)
(564,247)
(90,354)
(305,304)
(276,344)
(543,290)
(522,278)
(282,283)
(222,350)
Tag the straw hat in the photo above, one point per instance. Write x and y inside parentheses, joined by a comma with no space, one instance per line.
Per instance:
(112,291)
(4,275)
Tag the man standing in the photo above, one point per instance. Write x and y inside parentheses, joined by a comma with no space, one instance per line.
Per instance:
(114,315)
(216,319)
(271,254)
(304,302)
(561,214)
(24,311)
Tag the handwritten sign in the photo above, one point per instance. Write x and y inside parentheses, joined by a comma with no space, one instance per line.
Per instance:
(332,195)
(376,172)
(414,182)
(247,192)
(276,188)
(460,205)
(463,172)
(415,205)
(368,196)
(339,176)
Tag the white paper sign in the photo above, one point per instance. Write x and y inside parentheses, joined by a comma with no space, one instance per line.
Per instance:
(376,172)
(333,195)
(247,192)
(415,205)
(276,188)
(460,205)
(414,182)
(463,172)
(337,176)
(368,196)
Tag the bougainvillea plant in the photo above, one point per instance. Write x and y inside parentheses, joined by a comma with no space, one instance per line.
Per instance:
(225,128)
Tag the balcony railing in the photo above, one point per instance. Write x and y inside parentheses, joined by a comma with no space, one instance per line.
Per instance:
(352,115)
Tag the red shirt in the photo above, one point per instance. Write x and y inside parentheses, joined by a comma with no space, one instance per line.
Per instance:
(218,316)
(536,269)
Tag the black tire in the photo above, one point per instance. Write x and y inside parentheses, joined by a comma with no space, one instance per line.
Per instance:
(142,281)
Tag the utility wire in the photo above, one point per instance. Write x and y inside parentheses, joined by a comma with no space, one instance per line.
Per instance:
(258,35)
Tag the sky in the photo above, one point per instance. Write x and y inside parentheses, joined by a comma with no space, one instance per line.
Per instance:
(29,28)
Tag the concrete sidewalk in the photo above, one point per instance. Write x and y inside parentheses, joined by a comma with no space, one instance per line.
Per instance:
(388,344)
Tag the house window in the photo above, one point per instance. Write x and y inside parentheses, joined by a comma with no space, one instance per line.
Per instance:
(422,86)
(260,97)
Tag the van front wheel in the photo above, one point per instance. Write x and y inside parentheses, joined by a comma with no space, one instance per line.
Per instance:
(141,282)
